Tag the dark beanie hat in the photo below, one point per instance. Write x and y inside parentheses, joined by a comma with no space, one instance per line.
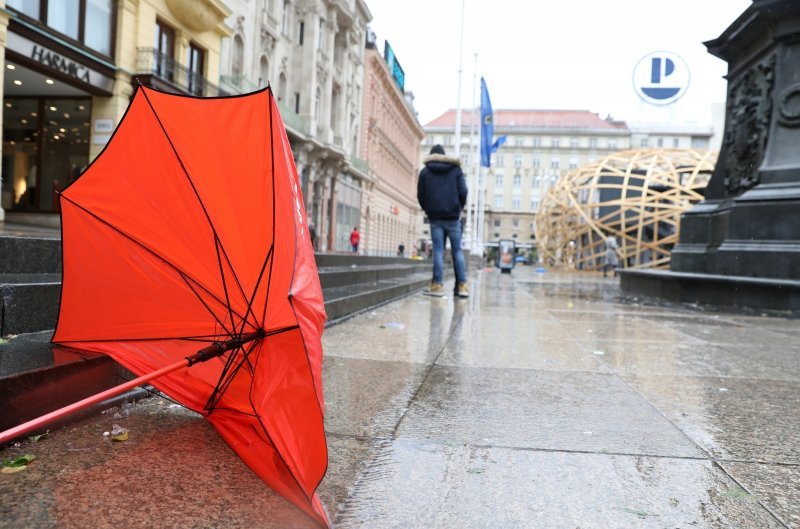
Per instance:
(437,149)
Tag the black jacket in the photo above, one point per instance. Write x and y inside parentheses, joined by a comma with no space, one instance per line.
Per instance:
(442,189)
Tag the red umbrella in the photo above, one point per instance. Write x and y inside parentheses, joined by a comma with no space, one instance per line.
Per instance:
(189,230)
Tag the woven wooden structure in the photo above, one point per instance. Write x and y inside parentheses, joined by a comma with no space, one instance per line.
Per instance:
(636,196)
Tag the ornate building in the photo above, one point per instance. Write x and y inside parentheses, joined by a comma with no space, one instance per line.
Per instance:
(390,142)
(312,54)
(69,72)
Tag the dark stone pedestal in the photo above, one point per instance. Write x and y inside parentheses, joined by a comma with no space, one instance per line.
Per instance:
(749,224)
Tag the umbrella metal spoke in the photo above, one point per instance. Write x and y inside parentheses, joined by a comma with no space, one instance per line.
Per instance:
(258,283)
(227,375)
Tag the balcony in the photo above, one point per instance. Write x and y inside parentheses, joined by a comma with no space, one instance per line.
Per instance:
(293,121)
(165,73)
(236,84)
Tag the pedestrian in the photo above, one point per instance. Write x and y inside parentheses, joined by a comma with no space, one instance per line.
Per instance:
(442,193)
(612,261)
(312,234)
(401,250)
(355,237)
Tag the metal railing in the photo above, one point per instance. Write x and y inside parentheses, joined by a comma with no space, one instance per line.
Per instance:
(149,61)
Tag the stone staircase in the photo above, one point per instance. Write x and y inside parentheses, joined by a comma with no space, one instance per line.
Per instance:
(37,376)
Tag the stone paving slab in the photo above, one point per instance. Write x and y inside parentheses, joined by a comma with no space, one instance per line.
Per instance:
(540,409)
(778,486)
(413,484)
(731,418)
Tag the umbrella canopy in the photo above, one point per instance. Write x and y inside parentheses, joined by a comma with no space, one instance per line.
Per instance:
(188,230)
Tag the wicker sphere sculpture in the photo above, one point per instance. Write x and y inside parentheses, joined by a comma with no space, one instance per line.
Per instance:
(636,196)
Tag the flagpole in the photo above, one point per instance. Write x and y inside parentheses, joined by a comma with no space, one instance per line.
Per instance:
(460,70)
(469,233)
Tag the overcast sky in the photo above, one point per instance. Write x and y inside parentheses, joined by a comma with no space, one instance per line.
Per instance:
(555,54)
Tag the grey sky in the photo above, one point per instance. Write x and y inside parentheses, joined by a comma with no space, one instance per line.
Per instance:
(556,54)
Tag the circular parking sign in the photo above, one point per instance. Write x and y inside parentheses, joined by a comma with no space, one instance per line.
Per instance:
(661,78)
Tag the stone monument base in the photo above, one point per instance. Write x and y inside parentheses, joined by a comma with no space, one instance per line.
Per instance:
(737,291)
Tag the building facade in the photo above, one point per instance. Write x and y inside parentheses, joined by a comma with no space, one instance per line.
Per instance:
(541,145)
(390,142)
(69,71)
(311,52)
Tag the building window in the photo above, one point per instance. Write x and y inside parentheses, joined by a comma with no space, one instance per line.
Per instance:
(26,7)
(555,143)
(535,181)
(675,142)
(85,21)
(63,17)
(518,160)
(554,163)
(263,78)
(517,181)
(660,142)
(498,160)
(448,140)
(519,141)
(536,162)
(573,162)
(282,87)
(301,30)
(515,223)
(537,142)
(465,160)
(498,201)
(573,142)
(97,25)
(195,63)
(285,19)
(45,148)
(498,179)
(321,39)
(612,144)
(592,143)
(515,202)
(297,102)
(534,207)
(498,223)
(165,51)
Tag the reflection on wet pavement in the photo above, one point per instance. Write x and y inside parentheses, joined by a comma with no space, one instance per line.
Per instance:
(542,401)
(552,400)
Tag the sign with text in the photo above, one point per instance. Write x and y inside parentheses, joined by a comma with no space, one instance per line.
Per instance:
(394,66)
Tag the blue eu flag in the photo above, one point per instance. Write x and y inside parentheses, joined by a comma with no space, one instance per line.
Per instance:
(487,126)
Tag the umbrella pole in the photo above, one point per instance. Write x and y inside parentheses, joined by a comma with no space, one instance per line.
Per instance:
(212,351)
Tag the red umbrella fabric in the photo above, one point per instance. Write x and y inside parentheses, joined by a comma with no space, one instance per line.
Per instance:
(189,229)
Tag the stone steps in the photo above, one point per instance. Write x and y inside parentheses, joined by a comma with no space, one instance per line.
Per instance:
(37,376)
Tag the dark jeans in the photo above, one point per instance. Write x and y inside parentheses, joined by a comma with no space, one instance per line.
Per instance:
(452,230)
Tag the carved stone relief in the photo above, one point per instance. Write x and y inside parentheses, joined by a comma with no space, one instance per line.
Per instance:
(747,127)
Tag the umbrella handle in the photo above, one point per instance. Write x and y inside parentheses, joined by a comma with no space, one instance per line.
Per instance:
(212,351)
(39,422)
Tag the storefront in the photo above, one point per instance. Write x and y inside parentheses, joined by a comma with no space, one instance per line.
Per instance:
(58,68)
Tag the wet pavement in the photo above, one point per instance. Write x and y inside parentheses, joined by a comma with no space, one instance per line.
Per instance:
(543,401)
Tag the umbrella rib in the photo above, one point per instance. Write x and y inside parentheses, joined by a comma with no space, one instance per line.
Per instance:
(272,168)
(225,285)
(199,338)
(196,192)
(258,283)
(147,248)
(203,302)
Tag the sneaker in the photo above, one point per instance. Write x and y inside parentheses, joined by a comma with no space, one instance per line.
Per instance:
(436,289)
(462,291)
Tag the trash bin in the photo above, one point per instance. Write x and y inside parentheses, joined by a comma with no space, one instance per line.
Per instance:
(506,251)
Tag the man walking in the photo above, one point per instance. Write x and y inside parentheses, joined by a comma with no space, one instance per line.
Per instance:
(442,193)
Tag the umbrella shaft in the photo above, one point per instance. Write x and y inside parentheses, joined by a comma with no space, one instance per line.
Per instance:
(40,422)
